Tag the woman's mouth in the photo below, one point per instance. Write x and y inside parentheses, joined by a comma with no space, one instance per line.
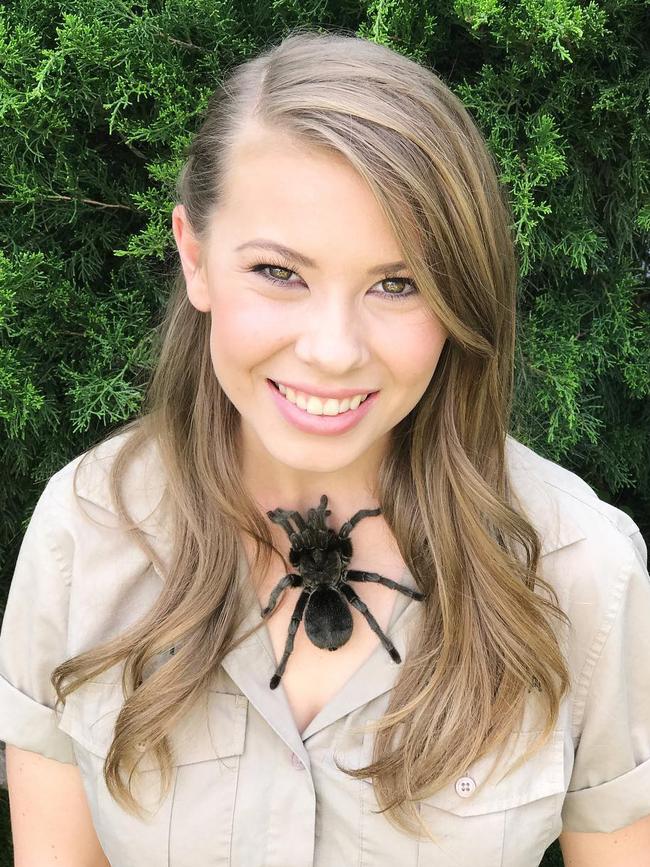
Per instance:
(314,405)
(338,418)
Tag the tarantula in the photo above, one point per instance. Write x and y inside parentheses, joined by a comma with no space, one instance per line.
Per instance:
(321,556)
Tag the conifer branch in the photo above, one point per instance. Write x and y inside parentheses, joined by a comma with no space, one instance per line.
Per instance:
(175,41)
(73,199)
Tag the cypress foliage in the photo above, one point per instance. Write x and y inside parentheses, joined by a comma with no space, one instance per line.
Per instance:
(99,98)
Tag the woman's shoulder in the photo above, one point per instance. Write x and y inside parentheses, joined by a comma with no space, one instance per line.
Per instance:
(88,476)
(100,556)
(593,553)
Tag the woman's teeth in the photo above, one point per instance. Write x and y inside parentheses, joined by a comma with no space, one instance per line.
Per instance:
(319,406)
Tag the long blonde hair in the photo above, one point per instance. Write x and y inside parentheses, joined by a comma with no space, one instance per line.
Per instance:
(443,485)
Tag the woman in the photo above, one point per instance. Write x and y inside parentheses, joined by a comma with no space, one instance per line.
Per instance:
(331,402)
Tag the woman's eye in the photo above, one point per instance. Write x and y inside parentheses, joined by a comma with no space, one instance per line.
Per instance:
(283,279)
(400,281)
(285,273)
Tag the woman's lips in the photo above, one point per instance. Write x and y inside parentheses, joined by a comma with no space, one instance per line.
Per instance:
(320,424)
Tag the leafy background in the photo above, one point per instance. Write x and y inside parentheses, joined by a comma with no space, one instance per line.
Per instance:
(99,98)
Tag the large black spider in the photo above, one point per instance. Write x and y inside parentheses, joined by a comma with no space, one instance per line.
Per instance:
(321,556)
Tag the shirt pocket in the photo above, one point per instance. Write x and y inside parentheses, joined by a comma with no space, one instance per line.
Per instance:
(509,822)
(193,823)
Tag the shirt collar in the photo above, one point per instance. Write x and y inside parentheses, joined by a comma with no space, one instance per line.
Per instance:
(534,482)
(543,490)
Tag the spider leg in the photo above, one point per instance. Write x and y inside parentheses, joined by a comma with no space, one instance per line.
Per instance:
(356,575)
(290,580)
(363,608)
(299,520)
(296,617)
(321,513)
(347,528)
(281,516)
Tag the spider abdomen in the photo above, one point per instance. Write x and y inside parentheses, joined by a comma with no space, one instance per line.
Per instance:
(328,619)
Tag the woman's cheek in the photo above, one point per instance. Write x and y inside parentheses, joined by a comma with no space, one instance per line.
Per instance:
(426,343)
(243,335)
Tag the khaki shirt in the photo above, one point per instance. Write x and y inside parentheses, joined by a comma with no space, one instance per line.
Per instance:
(249,789)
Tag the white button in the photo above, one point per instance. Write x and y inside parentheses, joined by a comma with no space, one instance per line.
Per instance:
(465,786)
(295,761)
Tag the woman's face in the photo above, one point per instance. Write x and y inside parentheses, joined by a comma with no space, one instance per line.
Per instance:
(329,323)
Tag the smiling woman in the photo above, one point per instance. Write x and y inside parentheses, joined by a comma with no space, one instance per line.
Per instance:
(339,344)
(336,327)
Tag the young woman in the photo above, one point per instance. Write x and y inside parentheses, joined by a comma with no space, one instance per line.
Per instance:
(315,605)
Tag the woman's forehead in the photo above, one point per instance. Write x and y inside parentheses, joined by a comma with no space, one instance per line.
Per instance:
(305,202)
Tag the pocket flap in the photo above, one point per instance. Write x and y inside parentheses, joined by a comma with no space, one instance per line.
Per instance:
(540,776)
(90,713)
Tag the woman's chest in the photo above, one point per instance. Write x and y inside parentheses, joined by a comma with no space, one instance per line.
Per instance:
(312,675)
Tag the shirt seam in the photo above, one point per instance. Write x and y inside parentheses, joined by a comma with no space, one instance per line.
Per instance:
(65,569)
(586,677)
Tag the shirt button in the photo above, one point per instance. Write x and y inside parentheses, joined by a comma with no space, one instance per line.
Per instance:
(295,761)
(465,786)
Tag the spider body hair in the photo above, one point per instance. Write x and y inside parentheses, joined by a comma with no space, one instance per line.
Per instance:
(328,619)
(321,557)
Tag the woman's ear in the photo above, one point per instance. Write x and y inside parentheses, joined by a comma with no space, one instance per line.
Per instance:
(189,251)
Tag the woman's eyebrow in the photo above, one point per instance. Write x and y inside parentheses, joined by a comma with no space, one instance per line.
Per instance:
(305,261)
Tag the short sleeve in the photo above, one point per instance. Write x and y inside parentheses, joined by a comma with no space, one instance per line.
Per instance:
(610,782)
(33,637)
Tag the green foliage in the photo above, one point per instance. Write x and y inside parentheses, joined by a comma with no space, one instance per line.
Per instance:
(6,843)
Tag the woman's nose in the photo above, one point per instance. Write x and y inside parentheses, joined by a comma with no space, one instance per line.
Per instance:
(331,337)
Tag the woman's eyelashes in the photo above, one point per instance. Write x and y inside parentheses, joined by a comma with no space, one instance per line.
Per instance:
(261,268)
